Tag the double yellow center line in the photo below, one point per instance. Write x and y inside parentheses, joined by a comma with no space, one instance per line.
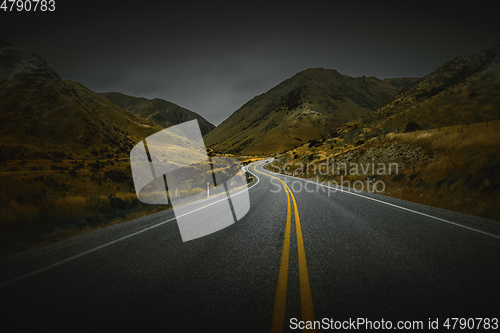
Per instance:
(306,302)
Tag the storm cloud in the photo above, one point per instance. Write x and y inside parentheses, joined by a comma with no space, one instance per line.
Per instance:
(214,57)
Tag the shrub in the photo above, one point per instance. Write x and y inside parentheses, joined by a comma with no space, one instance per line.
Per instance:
(411,127)
(314,143)
(117,202)
(57,167)
(117,175)
(94,167)
(58,154)
(359,142)
(78,166)
(413,175)
(398,177)
(439,183)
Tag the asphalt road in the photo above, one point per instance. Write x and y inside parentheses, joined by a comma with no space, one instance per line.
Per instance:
(348,256)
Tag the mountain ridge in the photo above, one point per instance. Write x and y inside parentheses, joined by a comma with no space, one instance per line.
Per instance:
(461,91)
(303,107)
(40,109)
(158,111)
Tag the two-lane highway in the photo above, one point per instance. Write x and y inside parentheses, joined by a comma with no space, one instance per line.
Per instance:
(302,251)
(373,256)
(306,303)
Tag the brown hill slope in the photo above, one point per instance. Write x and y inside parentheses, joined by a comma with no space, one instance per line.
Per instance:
(306,106)
(40,111)
(450,154)
(158,111)
(462,91)
(64,154)
(452,167)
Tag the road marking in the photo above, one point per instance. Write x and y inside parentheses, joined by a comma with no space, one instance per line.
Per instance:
(396,206)
(306,302)
(59,263)
(279,309)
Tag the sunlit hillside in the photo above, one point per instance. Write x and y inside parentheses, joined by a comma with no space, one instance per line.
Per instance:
(304,107)
(452,167)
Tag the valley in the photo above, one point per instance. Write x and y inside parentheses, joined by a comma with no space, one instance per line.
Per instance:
(65,149)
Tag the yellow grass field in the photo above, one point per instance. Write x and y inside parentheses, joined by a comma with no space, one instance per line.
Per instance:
(455,167)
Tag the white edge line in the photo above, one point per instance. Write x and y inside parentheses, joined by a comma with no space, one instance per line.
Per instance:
(393,205)
(59,263)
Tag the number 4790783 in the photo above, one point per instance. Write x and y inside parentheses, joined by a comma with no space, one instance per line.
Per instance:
(28,5)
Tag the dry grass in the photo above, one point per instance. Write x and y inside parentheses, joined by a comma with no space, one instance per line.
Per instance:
(59,209)
(453,167)
(15,211)
(72,206)
(463,176)
(44,200)
(454,138)
(28,225)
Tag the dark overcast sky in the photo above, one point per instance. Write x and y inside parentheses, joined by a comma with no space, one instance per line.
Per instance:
(213,57)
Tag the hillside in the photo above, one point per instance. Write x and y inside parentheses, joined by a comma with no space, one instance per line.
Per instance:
(442,132)
(461,91)
(158,111)
(306,106)
(42,112)
(452,167)
(64,153)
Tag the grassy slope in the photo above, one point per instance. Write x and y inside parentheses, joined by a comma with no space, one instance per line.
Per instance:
(299,109)
(462,91)
(64,153)
(44,200)
(452,161)
(452,167)
(158,111)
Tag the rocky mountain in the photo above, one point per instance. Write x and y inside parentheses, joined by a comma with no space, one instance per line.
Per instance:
(442,132)
(158,111)
(306,106)
(41,112)
(461,91)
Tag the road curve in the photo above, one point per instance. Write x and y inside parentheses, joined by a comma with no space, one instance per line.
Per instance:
(365,255)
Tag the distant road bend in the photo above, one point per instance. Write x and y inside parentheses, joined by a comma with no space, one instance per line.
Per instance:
(308,255)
